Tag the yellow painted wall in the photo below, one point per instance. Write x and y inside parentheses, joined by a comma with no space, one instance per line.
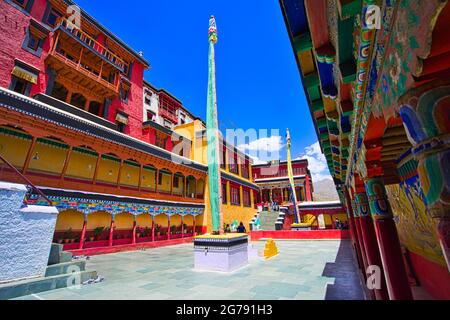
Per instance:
(81,165)
(124,221)
(175,220)
(162,220)
(69,219)
(416,229)
(50,159)
(108,171)
(129,175)
(14,149)
(180,188)
(98,219)
(164,184)
(148,179)
(144,220)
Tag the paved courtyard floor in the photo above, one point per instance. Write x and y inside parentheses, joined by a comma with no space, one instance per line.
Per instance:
(305,270)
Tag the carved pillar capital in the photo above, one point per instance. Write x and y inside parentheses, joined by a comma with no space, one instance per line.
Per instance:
(425,112)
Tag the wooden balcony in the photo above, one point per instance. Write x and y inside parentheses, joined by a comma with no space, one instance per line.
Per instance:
(168,115)
(84,64)
(91,44)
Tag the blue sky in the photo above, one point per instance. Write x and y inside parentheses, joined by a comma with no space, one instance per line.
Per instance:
(258,83)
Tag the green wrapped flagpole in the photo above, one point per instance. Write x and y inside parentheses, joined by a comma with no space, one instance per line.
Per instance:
(212,132)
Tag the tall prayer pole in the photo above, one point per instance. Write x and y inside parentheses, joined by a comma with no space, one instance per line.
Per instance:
(212,131)
(291,176)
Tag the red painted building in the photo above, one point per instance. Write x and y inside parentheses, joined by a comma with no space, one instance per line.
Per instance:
(273,180)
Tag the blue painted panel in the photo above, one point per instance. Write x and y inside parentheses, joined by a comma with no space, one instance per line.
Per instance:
(296,14)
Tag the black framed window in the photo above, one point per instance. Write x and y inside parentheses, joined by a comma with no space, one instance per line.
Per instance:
(121,127)
(246,198)
(20,86)
(224,194)
(124,94)
(235,196)
(52,17)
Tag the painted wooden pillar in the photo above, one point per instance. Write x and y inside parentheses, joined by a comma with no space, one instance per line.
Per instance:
(66,163)
(141,168)
(156,180)
(133,239)
(195,226)
(111,232)
(370,242)
(83,233)
(425,112)
(94,181)
(182,226)
(29,155)
(172,177)
(353,232)
(168,227)
(69,96)
(153,228)
(388,241)
(120,173)
(361,240)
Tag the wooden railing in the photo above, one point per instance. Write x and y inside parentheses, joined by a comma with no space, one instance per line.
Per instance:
(168,115)
(92,43)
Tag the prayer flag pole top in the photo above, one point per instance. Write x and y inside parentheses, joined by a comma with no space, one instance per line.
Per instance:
(212,32)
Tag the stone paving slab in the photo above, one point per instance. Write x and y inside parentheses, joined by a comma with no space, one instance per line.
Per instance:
(304,270)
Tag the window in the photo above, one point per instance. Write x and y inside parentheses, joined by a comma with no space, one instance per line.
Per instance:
(160,178)
(33,42)
(19,85)
(233,165)
(246,198)
(23,76)
(245,169)
(176,183)
(21,3)
(52,17)
(223,159)
(124,94)
(224,193)
(151,116)
(160,141)
(167,124)
(120,127)
(148,98)
(235,196)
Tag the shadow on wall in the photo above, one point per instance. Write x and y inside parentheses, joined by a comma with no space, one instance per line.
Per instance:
(344,270)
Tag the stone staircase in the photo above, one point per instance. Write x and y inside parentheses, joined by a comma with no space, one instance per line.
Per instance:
(60,271)
(269,220)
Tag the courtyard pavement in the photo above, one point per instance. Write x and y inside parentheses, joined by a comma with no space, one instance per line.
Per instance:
(304,270)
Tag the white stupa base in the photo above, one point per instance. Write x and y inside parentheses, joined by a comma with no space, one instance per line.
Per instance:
(225,253)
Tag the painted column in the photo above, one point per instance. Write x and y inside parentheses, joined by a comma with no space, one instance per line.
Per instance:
(133,241)
(168,228)
(370,242)
(29,155)
(83,233)
(353,232)
(195,233)
(182,226)
(388,241)
(111,232)
(66,163)
(153,228)
(360,237)
(425,112)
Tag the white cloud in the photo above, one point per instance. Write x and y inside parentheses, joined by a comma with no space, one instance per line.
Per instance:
(268,144)
(317,163)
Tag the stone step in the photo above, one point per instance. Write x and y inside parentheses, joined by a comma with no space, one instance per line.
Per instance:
(63,268)
(57,255)
(37,285)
